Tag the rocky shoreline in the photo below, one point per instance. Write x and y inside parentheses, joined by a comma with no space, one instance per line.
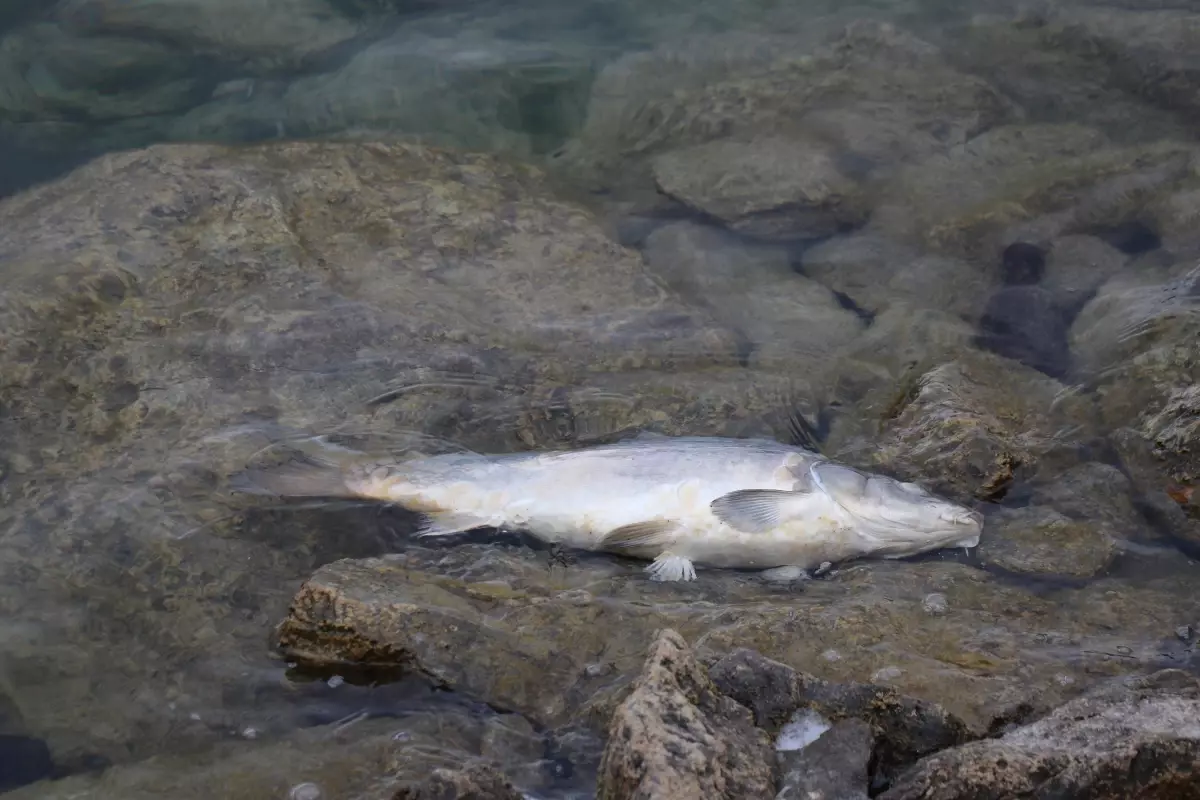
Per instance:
(972,264)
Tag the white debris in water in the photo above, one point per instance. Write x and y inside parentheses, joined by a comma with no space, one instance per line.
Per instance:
(305,791)
(831,655)
(935,604)
(886,674)
(804,728)
(249,733)
(1064,680)
(335,681)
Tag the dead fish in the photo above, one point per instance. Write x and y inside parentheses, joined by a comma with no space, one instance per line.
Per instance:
(675,501)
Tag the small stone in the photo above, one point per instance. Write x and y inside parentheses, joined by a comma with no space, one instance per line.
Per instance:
(935,604)
(886,674)
(1184,632)
(831,655)
(305,791)
(335,681)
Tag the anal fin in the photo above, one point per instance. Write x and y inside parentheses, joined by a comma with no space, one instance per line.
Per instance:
(669,567)
(647,534)
(448,523)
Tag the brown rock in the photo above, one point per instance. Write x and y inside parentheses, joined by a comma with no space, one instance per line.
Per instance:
(767,187)
(1040,541)
(1139,741)
(479,781)
(677,736)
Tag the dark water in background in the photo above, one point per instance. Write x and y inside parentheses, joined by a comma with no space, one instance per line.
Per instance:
(79,78)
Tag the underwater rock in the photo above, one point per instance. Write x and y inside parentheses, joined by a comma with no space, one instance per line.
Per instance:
(834,767)
(48,74)
(969,426)
(878,272)
(1132,739)
(789,320)
(1144,50)
(479,781)
(676,736)
(260,34)
(469,91)
(765,187)
(1027,325)
(905,728)
(1029,182)
(872,91)
(1078,265)
(1042,542)
(226,297)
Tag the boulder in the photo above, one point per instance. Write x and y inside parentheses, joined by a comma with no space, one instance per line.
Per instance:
(676,735)
(1137,740)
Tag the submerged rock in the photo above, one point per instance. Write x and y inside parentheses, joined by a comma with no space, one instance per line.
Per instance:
(874,91)
(473,782)
(1139,739)
(878,272)
(1042,542)
(968,426)
(225,298)
(904,728)
(834,767)
(769,187)
(1027,324)
(789,321)
(677,736)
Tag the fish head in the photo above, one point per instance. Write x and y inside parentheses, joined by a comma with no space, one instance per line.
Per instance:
(903,518)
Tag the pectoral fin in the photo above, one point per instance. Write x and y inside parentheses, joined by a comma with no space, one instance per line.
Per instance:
(754,510)
(652,533)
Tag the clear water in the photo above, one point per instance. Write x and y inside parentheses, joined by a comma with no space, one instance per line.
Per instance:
(835,198)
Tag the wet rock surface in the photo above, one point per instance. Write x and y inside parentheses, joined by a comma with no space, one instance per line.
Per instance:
(676,735)
(168,313)
(834,766)
(474,782)
(1139,739)
(1040,541)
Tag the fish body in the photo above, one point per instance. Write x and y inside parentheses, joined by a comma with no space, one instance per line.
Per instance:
(677,501)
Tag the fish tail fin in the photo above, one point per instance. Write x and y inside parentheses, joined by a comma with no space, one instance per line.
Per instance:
(321,470)
(295,479)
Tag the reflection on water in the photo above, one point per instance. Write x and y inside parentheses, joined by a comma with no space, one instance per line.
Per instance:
(953,243)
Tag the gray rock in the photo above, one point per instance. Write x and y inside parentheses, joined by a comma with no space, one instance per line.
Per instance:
(464,91)
(264,34)
(968,426)
(834,767)
(788,320)
(1147,51)
(765,187)
(1138,740)
(480,781)
(874,91)
(48,74)
(677,736)
(1040,541)
(1028,325)
(878,272)
(905,728)
(1078,265)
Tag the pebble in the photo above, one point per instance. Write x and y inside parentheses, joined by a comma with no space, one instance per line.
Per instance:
(1184,632)
(935,604)
(305,791)
(886,674)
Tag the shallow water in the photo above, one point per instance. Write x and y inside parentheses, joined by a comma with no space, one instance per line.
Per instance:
(951,242)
